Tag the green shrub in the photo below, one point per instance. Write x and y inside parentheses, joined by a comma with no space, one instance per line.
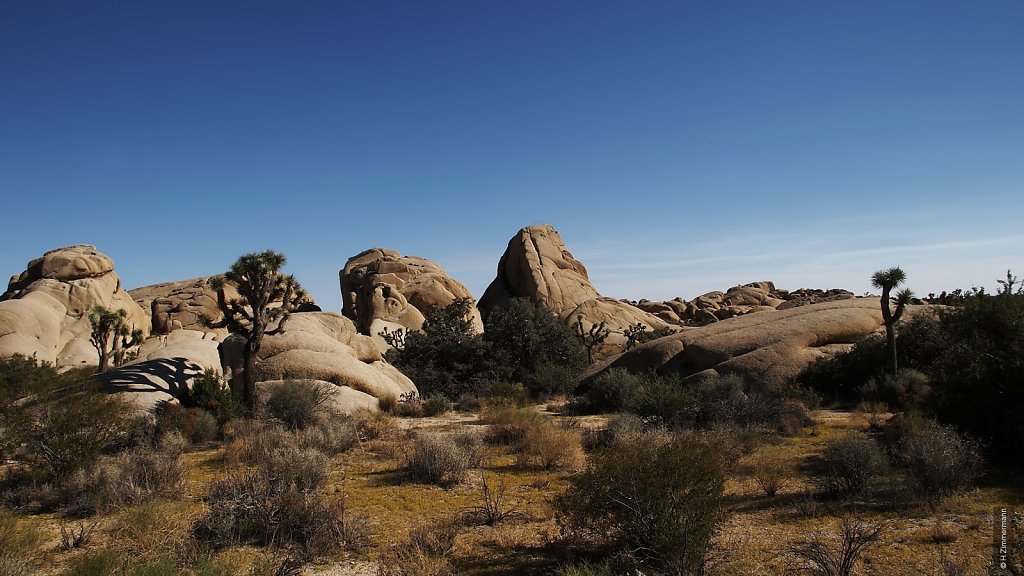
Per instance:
(850,465)
(508,424)
(209,392)
(63,433)
(436,405)
(614,390)
(297,403)
(657,500)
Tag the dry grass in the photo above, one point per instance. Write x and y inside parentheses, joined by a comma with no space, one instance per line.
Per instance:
(752,541)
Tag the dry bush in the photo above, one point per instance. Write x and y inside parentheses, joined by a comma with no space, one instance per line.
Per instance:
(250,442)
(387,403)
(620,427)
(301,469)
(442,459)
(332,434)
(373,425)
(127,479)
(255,508)
(494,507)
(425,553)
(770,470)
(297,403)
(939,460)
(585,569)
(942,533)
(195,424)
(548,446)
(836,554)
(850,465)
(955,564)
(508,424)
(656,502)
(154,531)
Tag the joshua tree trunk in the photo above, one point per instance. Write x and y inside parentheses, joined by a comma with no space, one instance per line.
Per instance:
(890,332)
(252,348)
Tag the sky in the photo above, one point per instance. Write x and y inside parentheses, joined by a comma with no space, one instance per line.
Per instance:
(679,147)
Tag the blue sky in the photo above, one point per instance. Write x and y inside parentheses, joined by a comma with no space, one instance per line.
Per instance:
(680,147)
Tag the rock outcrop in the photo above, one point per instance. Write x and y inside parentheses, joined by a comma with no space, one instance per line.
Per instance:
(538,265)
(180,305)
(45,310)
(381,288)
(737,301)
(769,346)
(321,346)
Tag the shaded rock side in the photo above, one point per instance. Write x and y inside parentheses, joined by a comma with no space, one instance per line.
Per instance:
(45,310)
(320,346)
(165,367)
(770,346)
(382,286)
(538,265)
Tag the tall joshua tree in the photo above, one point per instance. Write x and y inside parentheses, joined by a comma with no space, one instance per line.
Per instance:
(111,335)
(267,298)
(887,280)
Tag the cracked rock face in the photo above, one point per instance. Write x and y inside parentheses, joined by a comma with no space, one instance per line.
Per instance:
(45,310)
(538,265)
(381,288)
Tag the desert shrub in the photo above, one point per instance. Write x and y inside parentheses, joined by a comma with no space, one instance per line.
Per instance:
(426,552)
(255,508)
(548,446)
(154,532)
(837,554)
(506,393)
(436,405)
(976,380)
(585,569)
(21,377)
(613,390)
(332,434)
(373,425)
(195,424)
(250,442)
(507,425)
(387,403)
(939,461)
(127,479)
(302,470)
(209,392)
(529,344)
(63,433)
(907,390)
(619,428)
(662,399)
(441,459)
(770,470)
(850,465)
(447,356)
(297,403)
(659,501)
(99,563)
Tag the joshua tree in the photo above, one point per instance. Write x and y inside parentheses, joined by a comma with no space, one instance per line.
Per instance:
(267,298)
(886,280)
(111,335)
(591,338)
(634,334)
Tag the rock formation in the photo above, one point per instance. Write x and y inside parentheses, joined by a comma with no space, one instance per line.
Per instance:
(538,265)
(321,346)
(381,288)
(772,345)
(45,310)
